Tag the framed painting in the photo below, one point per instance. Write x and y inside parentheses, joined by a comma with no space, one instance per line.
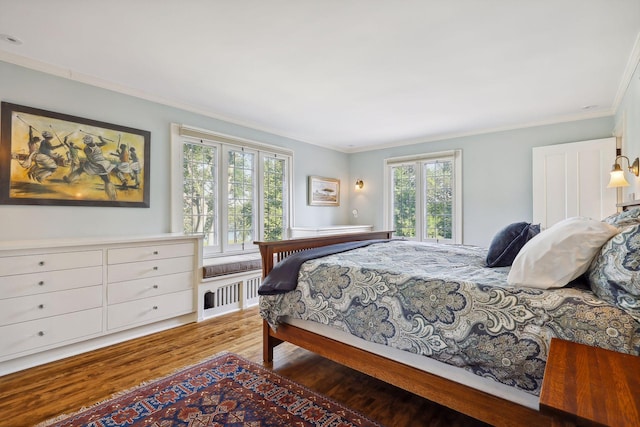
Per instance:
(49,158)
(323,191)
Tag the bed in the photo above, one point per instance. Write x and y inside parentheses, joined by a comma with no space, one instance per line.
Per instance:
(485,339)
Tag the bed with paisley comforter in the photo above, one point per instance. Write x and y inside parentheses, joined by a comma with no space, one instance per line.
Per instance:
(442,303)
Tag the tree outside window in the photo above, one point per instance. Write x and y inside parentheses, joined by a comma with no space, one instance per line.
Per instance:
(424,197)
(254,209)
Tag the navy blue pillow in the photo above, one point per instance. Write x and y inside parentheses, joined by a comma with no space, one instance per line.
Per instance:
(508,242)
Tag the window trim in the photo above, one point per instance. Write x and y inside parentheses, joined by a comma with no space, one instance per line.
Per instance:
(181,134)
(198,133)
(286,229)
(227,247)
(417,159)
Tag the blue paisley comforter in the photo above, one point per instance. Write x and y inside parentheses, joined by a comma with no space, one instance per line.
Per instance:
(442,302)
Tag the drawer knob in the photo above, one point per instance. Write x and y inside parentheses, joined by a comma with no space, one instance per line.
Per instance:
(155,307)
(41,263)
(155,286)
(41,333)
(155,252)
(41,283)
(155,268)
(41,306)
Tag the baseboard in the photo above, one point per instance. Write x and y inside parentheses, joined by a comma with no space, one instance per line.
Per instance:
(36,359)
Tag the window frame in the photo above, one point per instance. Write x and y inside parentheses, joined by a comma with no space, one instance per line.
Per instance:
(224,198)
(178,210)
(287,198)
(181,134)
(418,161)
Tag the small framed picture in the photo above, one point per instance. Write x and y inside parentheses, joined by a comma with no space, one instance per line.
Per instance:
(323,191)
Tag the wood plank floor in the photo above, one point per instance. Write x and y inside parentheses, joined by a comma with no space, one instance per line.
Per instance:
(37,394)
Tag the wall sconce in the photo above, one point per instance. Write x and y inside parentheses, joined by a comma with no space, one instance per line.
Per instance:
(617,174)
(359,184)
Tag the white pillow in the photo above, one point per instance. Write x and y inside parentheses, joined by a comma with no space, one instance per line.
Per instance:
(560,253)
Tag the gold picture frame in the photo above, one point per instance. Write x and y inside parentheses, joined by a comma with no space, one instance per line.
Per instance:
(323,191)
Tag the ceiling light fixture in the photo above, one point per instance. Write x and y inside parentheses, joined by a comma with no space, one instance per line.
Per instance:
(10,39)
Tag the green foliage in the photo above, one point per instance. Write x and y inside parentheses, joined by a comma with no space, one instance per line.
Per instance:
(200,200)
(240,197)
(404,201)
(275,190)
(437,191)
(438,200)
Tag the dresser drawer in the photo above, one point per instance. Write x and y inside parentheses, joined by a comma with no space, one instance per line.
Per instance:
(143,288)
(49,281)
(148,253)
(145,269)
(33,307)
(150,309)
(25,336)
(48,262)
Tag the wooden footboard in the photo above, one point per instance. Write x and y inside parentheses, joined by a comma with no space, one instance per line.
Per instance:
(275,251)
(456,396)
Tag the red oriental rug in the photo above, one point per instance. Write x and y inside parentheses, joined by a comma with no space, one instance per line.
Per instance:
(226,390)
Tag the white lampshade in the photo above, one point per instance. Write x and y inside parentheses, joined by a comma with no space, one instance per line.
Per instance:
(617,179)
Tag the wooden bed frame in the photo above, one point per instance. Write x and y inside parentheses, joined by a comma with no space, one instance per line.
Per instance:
(459,397)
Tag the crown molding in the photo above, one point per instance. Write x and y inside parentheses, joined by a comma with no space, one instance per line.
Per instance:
(516,126)
(125,90)
(630,69)
(47,68)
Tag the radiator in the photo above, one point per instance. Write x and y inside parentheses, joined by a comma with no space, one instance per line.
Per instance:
(225,294)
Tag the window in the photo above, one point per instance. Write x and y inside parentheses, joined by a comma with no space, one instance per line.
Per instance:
(200,190)
(230,190)
(240,198)
(423,197)
(404,200)
(276,205)
(438,200)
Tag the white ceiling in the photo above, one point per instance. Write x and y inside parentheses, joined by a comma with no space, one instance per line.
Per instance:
(346,74)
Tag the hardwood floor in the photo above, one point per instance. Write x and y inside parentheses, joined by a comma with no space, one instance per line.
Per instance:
(37,394)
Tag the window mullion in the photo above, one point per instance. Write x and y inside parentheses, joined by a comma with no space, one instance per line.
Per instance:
(275,196)
(438,189)
(232,213)
(420,197)
(260,193)
(241,197)
(223,179)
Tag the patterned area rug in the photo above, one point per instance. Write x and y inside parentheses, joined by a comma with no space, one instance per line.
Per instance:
(226,390)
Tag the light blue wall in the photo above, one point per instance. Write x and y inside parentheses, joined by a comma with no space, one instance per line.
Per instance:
(628,127)
(496,174)
(496,166)
(39,90)
(312,160)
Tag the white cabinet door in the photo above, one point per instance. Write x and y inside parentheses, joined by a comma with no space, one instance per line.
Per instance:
(571,180)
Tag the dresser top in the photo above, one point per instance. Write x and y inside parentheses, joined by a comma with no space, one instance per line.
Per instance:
(12,245)
(332,227)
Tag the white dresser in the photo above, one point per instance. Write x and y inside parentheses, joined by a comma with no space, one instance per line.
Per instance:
(64,297)
(298,232)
